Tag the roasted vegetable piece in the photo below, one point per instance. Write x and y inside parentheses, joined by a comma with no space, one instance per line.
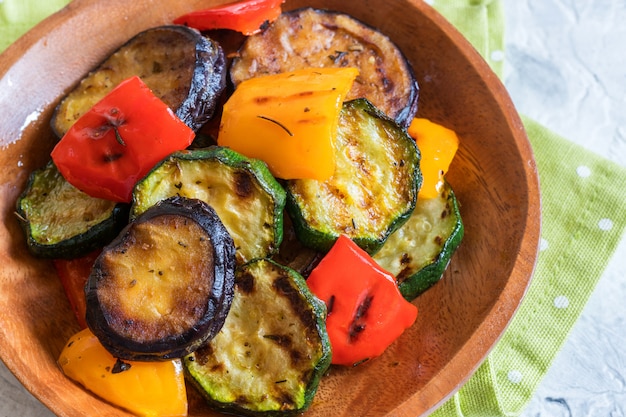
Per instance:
(61,221)
(164,286)
(273,349)
(374,187)
(366,312)
(118,141)
(247,198)
(183,68)
(147,389)
(438,145)
(74,274)
(288,120)
(319,38)
(419,252)
(247,16)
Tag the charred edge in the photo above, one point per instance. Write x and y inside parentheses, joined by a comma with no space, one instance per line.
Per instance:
(120,366)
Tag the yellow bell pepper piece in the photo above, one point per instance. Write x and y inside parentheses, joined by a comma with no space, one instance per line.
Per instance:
(288,120)
(148,389)
(438,145)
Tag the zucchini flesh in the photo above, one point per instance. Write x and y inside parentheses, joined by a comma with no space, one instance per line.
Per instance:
(419,252)
(183,68)
(60,221)
(164,286)
(273,349)
(373,190)
(245,195)
(310,37)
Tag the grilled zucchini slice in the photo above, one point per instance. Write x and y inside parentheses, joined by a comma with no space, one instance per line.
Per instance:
(373,190)
(183,68)
(164,286)
(320,38)
(273,349)
(248,199)
(60,221)
(420,251)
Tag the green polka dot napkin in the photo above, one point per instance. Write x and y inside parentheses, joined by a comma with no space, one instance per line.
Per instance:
(18,16)
(583,221)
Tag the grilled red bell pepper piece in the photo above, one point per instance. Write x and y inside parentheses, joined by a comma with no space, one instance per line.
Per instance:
(247,17)
(119,140)
(73,274)
(366,311)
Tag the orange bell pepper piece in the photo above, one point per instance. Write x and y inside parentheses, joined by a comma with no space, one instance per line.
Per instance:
(438,145)
(288,120)
(147,389)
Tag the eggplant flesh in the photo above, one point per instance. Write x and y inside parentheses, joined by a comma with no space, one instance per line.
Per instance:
(181,66)
(310,37)
(164,286)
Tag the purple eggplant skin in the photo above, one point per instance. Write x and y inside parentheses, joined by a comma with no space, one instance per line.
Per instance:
(112,317)
(207,84)
(182,67)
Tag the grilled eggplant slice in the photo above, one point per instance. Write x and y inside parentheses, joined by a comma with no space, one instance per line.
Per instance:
(373,190)
(320,38)
(248,199)
(164,286)
(273,349)
(60,221)
(182,67)
(420,251)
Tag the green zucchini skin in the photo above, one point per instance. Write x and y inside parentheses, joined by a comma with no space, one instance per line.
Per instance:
(271,353)
(60,221)
(248,199)
(373,190)
(164,286)
(420,251)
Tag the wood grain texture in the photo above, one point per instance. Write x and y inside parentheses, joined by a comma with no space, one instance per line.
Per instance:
(461,318)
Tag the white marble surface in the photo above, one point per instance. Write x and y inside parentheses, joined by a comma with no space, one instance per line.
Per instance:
(566,68)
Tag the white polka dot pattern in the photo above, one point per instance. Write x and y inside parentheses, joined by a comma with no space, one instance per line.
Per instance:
(561,302)
(515,376)
(605,224)
(583,171)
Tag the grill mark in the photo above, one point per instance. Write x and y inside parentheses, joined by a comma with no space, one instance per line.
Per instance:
(245,283)
(358,322)
(243,186)
(203,354)
(283,287)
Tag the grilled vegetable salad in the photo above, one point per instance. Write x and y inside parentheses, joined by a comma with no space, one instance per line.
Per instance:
(245,258)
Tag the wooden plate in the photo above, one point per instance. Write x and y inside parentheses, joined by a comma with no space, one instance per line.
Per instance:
(461,318)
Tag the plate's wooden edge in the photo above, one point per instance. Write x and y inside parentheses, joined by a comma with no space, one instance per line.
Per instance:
(480,344)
